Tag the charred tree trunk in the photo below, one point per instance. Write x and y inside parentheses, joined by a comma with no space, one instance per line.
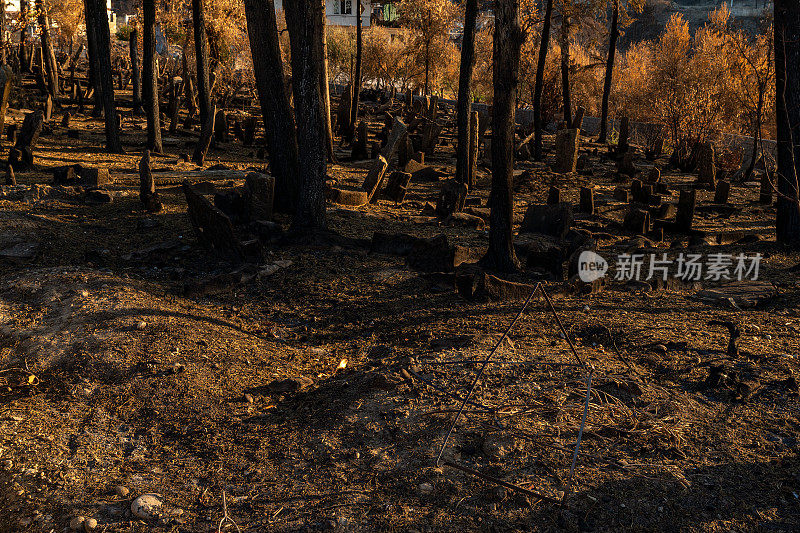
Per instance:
(539,85)
(279,125)
(612,50)
(508,39)
(94,67)
(136,73)
(24,7)
(357,76)
(150,78)
(565,90)
(464,89)
(99,27)
(787,78)
(326,98)
(203,85)
(48,56)
(305,20)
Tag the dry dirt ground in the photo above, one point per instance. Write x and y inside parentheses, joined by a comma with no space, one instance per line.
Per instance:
(237,403)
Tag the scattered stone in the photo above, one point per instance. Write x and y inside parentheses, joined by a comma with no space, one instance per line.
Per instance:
(98,197)
(425,489)
(653,176)
(348,197)
(374,178)
(637,221)
(686,207)
(94,177)
(90,524)
(421,172)
(451,198)
(76,523)
(121,490)
(211,226)
(473,284)
(626,165)
(260,196)
(288,385)
(436,255)
(23,251)
(723,192)
(465,220)
(147,506)
(397,186)
(554,220)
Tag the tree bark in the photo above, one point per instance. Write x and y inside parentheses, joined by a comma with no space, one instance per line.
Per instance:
(357,76)
(787,78)
(544,45)
(508,39)
(91,41)
(136,73)
(326,98)
(48,56)
(565,90)
(97,21)
(24,7)
(305,20)
(203,84)
(612,50)
(150,78)
(464,90)
(279,125)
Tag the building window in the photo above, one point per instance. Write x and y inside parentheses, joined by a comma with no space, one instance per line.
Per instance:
(342,7)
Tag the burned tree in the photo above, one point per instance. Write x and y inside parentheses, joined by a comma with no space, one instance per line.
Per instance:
(787,78)
(612,50)
(136,75)
(279,124)
(50,70)
(150,78)
(357,75)
(464,82)
(508,39)
(97,24)
(539,83)
(305,20)
(203,84)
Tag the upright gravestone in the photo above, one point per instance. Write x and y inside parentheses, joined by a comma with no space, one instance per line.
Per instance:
(566,146)
(706,167)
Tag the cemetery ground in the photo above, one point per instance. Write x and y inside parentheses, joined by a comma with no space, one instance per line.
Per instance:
(311,389)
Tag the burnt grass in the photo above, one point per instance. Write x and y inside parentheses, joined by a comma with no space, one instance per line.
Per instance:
(110,374)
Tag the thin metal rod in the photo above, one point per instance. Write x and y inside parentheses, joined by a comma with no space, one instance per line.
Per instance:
(580,433)
(480,373)
(563,331)
(500,362)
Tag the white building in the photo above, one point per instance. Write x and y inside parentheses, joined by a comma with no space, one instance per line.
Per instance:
(342,12)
